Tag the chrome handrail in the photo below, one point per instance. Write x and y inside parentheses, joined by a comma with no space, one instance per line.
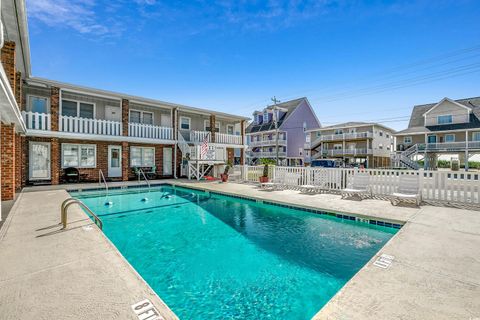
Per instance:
(100,177)
(144,176)
(67,203)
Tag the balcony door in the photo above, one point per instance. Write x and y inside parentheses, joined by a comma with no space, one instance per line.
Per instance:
(167,161)
(39,161)
(114,161)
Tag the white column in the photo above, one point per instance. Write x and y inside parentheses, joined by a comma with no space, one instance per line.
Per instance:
(466,151)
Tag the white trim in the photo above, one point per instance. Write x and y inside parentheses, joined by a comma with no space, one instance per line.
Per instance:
(444,115)
(141,116)
(189,123)
(405,142)
(449,100)
(78,107)
(30,144)
(94,137)
(79,145)
(37,96)
(109,160)
(449,134)
(142,156)
(230,126)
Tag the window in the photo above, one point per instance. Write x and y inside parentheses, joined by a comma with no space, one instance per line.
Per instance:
(185,123)
(444,119)
(338,131)
(476,136)
(432,139)
(78,109)
(38,104)
(230,129)
(137,116)
(142,157)
(79,155)
(380,146)
(206,126)
(337,147)
(407,140)
(319,134)
(387,135)
(449,138)
(380,133)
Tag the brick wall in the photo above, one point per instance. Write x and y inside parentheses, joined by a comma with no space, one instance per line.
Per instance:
(125,113)
(54,107)
(18,162)
(91,174)
(7,151)
(8,62)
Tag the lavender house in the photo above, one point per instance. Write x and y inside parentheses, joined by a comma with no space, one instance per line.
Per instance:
(294,117)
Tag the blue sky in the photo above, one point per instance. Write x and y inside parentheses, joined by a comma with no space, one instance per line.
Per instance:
(354,60)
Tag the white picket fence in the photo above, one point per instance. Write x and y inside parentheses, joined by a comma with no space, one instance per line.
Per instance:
(148,131)
(436,186)
(90,126)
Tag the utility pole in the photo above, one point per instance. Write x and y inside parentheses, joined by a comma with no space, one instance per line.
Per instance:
(275,121)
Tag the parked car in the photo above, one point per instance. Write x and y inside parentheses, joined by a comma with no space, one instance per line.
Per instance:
(326,163)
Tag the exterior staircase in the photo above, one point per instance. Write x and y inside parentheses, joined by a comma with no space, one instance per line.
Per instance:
(405,159)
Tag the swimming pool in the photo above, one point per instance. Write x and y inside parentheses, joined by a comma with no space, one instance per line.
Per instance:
(210,256)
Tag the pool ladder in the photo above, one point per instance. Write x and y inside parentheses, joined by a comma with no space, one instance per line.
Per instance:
(64,209)
(101,177)
(140,171)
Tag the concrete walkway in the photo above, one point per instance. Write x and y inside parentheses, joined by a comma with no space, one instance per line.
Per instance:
(47,273)
(78,274)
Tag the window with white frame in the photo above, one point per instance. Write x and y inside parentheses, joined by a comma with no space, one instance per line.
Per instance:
(80,109)
(185,123)
(38,104)
(407,139)
(446,119)
(476,136)
(230,128)
(450,138)
(79,155)
(206,126)
(139,116)
(142,157)
(338,131)
(380,146)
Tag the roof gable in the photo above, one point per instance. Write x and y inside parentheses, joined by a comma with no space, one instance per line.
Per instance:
(449,100)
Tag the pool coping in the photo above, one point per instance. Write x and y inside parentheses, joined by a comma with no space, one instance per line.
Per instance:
(389,223)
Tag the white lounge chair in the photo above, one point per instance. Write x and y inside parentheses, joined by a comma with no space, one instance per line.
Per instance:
(408,190)
(359,186)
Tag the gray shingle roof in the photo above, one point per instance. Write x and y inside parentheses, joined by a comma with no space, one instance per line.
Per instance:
(417,120)
(289,105)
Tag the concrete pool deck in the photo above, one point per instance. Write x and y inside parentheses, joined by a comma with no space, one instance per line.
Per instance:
(79,274)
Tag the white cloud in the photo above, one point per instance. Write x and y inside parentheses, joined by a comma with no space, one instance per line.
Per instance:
(75,14)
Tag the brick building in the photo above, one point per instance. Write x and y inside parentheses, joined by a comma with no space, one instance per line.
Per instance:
(48,127)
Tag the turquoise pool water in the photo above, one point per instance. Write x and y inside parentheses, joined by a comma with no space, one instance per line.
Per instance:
(218,257)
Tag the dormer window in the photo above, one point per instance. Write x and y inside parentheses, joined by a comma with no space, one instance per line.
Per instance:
(259,118)
(446,119)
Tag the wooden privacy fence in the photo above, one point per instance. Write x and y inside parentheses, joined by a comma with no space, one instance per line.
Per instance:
(436,186)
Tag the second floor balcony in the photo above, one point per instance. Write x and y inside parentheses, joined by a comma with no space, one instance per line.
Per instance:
(88,126)
(266,154)
(346,152)
(268,142)
(460,146)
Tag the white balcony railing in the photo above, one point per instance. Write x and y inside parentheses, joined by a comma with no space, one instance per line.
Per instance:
(266,154)
(346,136)
(272,142)
(227,138)
(449,146)
(341,152)
(140,130)
(37,121)
(90,126)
